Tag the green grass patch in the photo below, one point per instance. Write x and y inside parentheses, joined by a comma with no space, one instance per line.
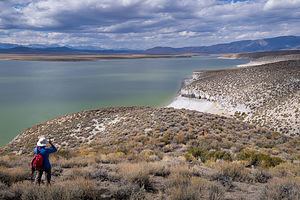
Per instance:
(205,155)
(260,159)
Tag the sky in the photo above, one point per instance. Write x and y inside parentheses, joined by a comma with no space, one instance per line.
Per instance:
(143,24)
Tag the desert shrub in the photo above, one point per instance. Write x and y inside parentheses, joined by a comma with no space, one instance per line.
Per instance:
(165,140)
(185,192)
(4,163)
(215,191)
(76,173)
(78,189)
(64,153)
(285,170)
(111,158)
(179,182)
(137,173)
(147,155)
(180,138)
(186,188)
(264,145)
(15,191)
(3,186)
(193,188)
(231,171)
(260,159)
(123,149)
(278,189)
(12,175)
(181,170)
(13,161)
(124,191)
(35,192)
(158,169)
(188,157)
(260,176)
(66,190)
(226,145)
(5,177)
(140,194)
(203,143)
(220,128)
(205,155)
(101,175)
(4,192)
(71,163)
(56,171)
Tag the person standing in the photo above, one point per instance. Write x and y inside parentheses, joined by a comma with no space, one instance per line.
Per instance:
(45,152)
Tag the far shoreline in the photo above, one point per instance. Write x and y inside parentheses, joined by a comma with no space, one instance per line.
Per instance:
(89,57)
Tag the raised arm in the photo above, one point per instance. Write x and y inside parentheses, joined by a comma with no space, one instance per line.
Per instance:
(53,150)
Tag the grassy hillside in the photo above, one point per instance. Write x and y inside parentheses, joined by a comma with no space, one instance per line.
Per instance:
(154,153)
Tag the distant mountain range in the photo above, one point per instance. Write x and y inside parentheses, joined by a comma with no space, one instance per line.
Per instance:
(60,50)
(268,44)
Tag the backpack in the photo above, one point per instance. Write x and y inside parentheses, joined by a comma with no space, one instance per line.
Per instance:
(37,161)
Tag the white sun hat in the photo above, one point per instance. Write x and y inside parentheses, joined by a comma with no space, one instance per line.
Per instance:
(42,142)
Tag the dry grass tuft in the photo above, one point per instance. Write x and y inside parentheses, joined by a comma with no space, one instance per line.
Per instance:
(285,170)
(113,158)
(12,175)
(137,173)
(66,190)
(159,169)
(226,171)
(278,189)
(71,163)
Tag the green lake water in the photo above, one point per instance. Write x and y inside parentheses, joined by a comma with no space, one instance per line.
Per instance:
(35,91)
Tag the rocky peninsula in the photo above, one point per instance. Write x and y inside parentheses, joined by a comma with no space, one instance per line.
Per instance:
(267,95)
(259,58)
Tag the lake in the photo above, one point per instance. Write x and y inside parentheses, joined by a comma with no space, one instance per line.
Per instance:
(35,91)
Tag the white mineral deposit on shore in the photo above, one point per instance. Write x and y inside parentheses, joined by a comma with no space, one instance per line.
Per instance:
(255,63)
(200,105)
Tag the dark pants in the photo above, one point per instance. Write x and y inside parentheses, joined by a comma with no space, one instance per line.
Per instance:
(40,174)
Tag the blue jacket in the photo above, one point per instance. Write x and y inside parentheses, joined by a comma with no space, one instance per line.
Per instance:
(45,154)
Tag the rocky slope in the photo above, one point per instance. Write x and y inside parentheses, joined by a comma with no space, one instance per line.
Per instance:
(267,95)
(154,153)
(141,128)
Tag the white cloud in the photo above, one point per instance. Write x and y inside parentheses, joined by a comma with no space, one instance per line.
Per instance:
(277,4)
(145,23)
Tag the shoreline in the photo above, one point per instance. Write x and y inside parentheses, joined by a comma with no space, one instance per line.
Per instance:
(204,105)
(87,57)
(200,105)
(257,63)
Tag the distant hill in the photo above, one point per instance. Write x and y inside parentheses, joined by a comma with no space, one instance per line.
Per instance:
(60,50)
(7,45)
(269,44)
(24,50)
